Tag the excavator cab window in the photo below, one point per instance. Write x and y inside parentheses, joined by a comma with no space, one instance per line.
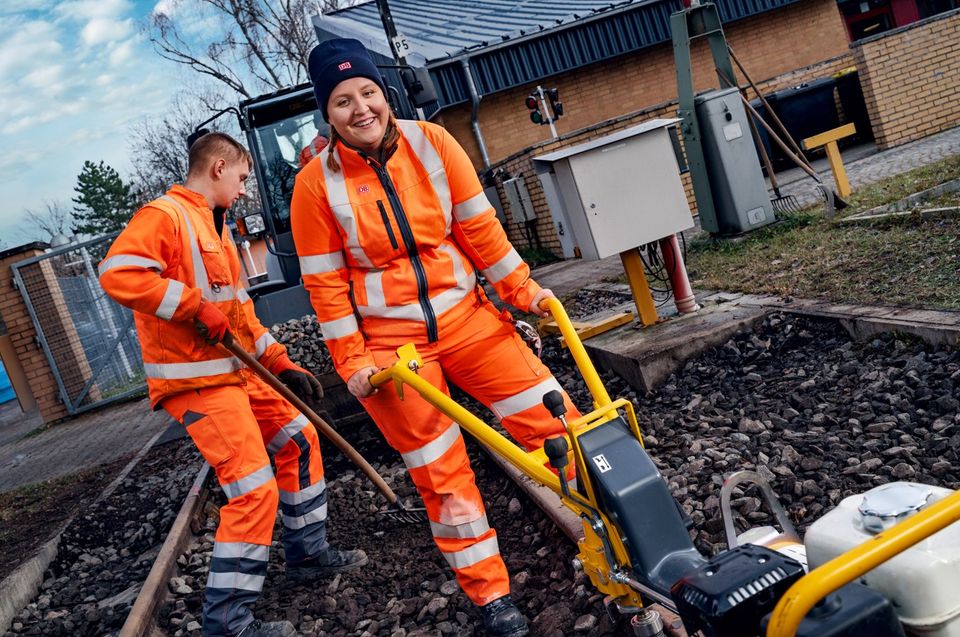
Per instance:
(279,144)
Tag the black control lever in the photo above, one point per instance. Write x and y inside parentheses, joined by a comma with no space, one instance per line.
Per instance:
(556,450)
(553,401)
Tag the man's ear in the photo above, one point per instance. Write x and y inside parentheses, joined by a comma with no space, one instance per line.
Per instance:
(217,168)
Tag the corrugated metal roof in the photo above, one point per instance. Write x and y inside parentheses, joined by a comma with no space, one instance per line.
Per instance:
(439,28)
(514,42)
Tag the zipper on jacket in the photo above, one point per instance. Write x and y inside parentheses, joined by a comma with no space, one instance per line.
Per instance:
(406,233)
(386,224)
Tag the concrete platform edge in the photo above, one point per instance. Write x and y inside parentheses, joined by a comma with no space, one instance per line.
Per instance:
(24,583)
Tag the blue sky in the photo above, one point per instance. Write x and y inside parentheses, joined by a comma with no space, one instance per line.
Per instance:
(75,75)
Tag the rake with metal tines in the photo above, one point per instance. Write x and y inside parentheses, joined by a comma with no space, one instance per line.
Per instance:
(397,511)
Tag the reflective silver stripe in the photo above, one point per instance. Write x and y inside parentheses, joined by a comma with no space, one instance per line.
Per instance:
(373,284)
(243,550)
(430,159)
(265,341)
(248,483)
(179,371)
(317,515)
(433,449)
(339,327)
(200,278)
(339,201)
(473,554)
(242,295)
(466,283)
(286,433)
(171,299)
(128,261)
(446,300)
(524,400)
(321,263)
(235,581)
(410,312)
(303,495)
(475,205)
(504,267)
(462,531)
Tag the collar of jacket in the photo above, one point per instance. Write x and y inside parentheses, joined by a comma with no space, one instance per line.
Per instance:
(197,200)
(380,159)
(190,197)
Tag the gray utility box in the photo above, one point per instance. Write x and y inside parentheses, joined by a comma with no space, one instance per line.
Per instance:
(615,193)
(739,190)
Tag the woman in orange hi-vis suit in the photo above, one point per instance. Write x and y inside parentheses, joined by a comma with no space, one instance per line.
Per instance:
(176,266)
(392,226)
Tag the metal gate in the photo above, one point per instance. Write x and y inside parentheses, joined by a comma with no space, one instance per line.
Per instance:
(89,340)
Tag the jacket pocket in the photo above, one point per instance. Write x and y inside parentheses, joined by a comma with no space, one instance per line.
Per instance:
(386,224)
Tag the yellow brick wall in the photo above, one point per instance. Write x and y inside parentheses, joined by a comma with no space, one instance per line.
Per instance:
(770,45)
(23,338)
(911,79)
(520,163)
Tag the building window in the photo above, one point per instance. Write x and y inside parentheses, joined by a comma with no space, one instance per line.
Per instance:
(933,7)
(867,17)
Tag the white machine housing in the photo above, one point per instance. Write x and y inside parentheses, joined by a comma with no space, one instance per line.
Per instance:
(618,192)
(921,581)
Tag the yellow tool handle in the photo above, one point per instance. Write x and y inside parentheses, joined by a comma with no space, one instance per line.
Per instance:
(802,596)
(579,353)
(328,432)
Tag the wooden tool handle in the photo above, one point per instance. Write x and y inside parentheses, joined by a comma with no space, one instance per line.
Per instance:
(328,432)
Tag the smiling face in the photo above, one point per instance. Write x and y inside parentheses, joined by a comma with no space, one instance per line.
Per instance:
(358,109)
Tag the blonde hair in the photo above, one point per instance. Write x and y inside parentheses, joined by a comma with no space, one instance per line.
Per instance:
(390,140)
(212,146)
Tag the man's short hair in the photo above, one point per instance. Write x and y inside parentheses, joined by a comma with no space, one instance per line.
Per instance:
(213,146)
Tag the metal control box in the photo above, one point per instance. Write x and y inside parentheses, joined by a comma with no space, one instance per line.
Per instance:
(518,199)
(616,193)
(739,190)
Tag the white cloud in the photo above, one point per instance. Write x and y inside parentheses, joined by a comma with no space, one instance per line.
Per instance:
(168,8)
(121,53)
(30,43)
(103,30)
(44,78)
(86,10)
(13,7)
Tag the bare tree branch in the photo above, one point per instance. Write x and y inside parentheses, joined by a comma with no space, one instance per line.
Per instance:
(55,218)
(262,45)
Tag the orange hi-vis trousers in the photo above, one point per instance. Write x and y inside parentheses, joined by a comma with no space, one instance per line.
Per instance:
(485,357)
(238,428)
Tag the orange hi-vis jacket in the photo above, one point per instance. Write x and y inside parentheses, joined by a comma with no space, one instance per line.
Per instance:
(167,258)
(399,245)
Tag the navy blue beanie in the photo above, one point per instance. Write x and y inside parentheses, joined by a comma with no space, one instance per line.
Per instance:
(336,60)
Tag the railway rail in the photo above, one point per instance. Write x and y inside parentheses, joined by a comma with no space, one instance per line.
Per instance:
(794,399)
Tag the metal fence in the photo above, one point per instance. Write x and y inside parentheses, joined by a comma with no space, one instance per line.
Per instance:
(89,340)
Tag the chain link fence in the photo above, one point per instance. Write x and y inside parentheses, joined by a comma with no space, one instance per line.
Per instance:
(89,340)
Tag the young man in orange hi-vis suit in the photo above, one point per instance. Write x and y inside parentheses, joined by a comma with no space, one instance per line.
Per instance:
(176,266)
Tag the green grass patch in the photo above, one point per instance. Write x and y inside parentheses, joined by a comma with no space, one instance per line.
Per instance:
(913,260)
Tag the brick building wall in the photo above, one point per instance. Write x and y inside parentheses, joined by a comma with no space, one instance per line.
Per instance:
(23,339)
(911,79)
(520,163)
(770,45)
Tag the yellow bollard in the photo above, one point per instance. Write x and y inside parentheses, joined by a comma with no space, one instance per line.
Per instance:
(829,141)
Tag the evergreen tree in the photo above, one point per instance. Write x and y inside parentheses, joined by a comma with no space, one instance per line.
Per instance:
(104,203)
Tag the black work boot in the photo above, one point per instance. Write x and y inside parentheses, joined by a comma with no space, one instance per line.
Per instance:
(502,618)
(257,628)
(330,562)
